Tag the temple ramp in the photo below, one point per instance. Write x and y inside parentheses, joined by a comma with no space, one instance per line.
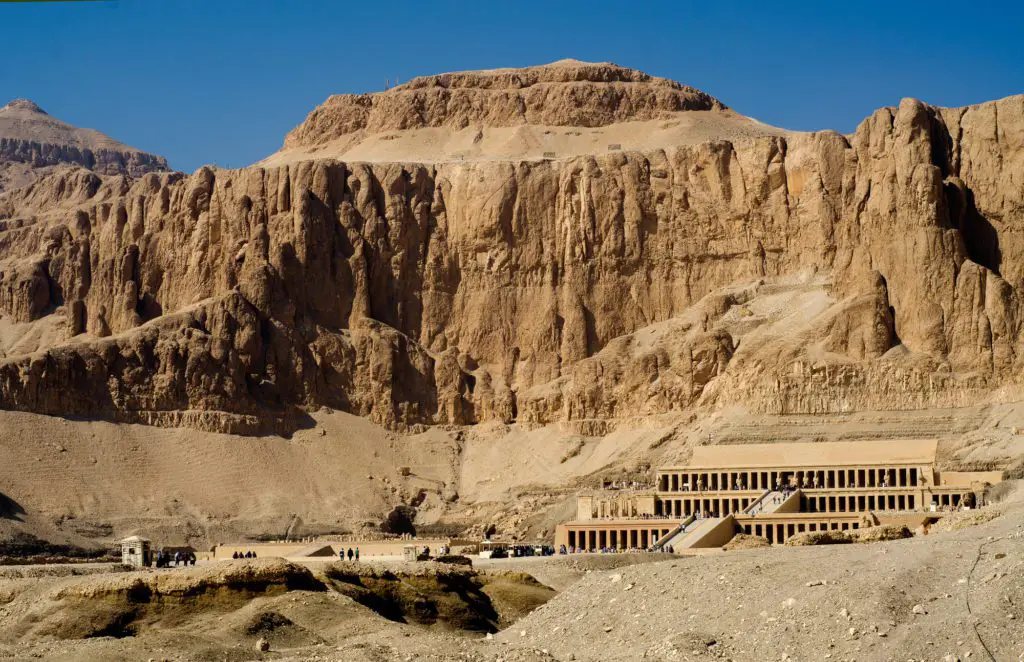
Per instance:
(774,501)
(675,535)
(711,532)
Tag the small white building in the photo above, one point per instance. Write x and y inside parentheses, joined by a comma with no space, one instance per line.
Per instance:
(135,551)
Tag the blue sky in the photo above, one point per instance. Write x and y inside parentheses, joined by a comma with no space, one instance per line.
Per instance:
(224,80)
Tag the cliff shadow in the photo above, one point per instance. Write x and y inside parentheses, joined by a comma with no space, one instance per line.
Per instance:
(11,509)
(981,237)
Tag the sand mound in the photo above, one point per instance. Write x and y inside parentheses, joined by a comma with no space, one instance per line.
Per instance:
(819,538)
(880,533)
(965,519)
(744,541)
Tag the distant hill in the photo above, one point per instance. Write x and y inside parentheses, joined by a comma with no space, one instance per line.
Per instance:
(32,142)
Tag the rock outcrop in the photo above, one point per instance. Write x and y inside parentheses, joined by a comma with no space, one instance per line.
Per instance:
(790,273)
(565,93)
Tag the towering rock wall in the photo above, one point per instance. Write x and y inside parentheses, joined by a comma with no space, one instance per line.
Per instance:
(464,292)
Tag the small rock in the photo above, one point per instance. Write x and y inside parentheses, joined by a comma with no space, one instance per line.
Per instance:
(262,646)
(607,628)
(919,610)
(616,578)
(817,582)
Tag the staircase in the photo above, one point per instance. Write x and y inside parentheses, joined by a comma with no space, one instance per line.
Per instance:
(768,502)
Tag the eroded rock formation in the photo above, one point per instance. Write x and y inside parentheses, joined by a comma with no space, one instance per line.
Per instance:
(597,287)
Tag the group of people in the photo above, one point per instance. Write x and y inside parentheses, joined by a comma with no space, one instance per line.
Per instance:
(240,555)
(351,552)
(623,485)
(562,549)
(739,485)
(177,559)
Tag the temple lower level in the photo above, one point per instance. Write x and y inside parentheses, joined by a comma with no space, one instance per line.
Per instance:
(774,491)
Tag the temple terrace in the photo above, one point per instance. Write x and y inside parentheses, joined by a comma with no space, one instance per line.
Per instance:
(775,491)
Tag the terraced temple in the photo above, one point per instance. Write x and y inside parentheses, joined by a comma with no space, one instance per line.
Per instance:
(775,491)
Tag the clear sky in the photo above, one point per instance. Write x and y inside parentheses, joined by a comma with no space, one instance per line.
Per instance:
(204,81)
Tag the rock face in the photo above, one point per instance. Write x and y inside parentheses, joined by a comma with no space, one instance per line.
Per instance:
(801,273)
(31,140)
(565,93)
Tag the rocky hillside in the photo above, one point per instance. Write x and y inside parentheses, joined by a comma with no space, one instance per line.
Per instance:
(788,273)
(565,93)
(31,142)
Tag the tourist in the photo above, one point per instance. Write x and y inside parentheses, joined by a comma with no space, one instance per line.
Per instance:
(177,559)
(341,554)
(357,554)
(234,554)
(350,553)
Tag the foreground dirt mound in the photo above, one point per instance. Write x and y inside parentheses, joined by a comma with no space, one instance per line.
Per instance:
(955,596)
(869,534)
(123,605)
(883,532)
(962,520)
(744,541)
(819,538)
(438,594)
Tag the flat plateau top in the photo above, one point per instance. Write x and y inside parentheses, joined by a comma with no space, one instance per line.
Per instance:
(824,454)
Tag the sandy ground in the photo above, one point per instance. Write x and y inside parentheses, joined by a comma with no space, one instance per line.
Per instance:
(104,480)
(530,142)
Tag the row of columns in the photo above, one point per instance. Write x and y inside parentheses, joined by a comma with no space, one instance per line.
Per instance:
(854,503)
(685,507)
(716,481)
(778,533)
(615,538)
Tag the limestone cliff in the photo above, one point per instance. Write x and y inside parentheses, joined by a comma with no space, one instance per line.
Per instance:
(787,272)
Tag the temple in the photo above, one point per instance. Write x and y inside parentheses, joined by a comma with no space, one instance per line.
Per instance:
(774,491)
